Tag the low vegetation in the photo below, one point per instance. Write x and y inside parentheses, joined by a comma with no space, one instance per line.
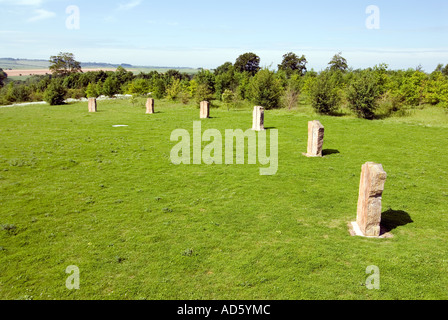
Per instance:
(369,93)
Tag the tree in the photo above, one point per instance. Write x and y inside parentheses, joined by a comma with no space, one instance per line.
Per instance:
(265,89)
(224,68)
(324,94)
(203,93)
(64,64)
(206,78)
(3,76)
(362,94)
(292,63)
(92,91)
(249,62)
(111,87)
(338,63)
(55,93)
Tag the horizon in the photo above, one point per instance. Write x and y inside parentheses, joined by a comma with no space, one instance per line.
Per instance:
(199,34)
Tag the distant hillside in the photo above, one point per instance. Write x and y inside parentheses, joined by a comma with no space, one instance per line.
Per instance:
(31,64)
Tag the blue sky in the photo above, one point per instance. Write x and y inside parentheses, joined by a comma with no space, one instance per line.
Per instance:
(198,33)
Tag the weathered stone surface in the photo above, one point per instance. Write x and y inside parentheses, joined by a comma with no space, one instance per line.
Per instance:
(258,119)
(92,105)
(373,179)
(150,106)
(205,109)
(316,132)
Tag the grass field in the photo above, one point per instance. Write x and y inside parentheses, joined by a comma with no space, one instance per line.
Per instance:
(74,190)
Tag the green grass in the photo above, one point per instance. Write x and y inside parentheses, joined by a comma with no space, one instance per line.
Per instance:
(76,191)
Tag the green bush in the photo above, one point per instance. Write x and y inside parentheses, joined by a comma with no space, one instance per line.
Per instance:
(265,89)
(203,93)
(362,95)
(55,94)
(324,93)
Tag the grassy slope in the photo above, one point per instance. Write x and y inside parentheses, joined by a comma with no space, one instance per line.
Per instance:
(109,201)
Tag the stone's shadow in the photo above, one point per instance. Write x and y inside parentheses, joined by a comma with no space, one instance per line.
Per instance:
(328,152)
(392,219)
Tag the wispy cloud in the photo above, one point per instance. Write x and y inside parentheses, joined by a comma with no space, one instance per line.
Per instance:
(42,14)
(22,2)
(129,5)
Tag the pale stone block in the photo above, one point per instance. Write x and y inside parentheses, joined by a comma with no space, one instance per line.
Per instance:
(150,106)
(92,105)
(258,119)
(205,110)
(316,133)
(373,179)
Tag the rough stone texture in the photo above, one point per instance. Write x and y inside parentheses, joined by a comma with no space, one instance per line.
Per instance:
(92,105)
(150,106)
(373,178)
(258,119)
(205,109)
(316,132)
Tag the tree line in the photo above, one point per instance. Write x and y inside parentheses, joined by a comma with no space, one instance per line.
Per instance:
(364,91)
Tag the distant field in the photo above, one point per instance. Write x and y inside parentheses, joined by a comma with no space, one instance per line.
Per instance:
(24,68)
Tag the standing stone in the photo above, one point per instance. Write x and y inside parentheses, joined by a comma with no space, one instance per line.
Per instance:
(316,132)
(373,178)
(92,105)
(258,119)
(205,109)
(150,106)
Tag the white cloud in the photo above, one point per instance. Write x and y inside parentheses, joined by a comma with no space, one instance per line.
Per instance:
(42,14)
(129,5)
(22,2)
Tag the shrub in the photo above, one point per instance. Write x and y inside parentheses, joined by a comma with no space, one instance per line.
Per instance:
(362,95)
(55,94)
(203,93)
(172,92)
(265,89)
(324,94)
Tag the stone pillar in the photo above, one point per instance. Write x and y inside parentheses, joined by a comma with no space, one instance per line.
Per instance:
(316,132)
(258,119)
(373,178)
(150,106)
(205,109)
(92,105)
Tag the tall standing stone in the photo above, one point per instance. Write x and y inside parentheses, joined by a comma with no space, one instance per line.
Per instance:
(258,119)
(150,106)
(316,132)
(205,109)
(92,105)
(373,178)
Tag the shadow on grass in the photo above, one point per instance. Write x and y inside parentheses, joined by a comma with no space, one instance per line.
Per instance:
(270,128)
(392,219)
(328,152)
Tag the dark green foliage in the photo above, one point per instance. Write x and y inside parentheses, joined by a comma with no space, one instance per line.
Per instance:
(206,78)
(64,63)
(265,89)
(362,95)
(3,76)
(203,93)
(292,63)
(248,62)
(324,94)
(338,63)
(55,93)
